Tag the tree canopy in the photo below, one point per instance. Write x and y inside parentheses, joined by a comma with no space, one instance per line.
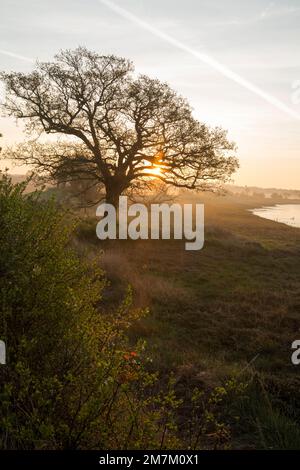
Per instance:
(121,130)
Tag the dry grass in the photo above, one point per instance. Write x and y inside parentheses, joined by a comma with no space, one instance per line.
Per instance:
(213,311)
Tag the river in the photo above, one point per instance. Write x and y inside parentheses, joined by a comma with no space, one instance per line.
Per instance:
(288,214)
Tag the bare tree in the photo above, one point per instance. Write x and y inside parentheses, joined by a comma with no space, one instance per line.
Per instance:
(122,130)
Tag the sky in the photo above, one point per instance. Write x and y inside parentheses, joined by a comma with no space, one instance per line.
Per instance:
(236,61)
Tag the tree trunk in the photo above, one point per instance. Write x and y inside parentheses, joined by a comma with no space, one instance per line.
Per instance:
(113,191)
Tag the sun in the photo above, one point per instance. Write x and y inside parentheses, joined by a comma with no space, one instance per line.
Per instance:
(156,170)
(158,167)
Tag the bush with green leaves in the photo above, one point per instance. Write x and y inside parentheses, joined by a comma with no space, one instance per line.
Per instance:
(71,380)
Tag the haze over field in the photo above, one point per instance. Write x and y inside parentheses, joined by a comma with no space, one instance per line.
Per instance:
(257,40)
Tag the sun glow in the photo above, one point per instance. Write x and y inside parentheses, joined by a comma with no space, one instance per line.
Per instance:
(156,170)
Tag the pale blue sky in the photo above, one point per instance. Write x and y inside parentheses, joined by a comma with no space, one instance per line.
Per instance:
(257,39)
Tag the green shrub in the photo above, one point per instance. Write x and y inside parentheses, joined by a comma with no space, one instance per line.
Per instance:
(71,380)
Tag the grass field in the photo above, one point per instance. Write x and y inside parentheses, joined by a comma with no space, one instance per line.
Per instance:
(229,310)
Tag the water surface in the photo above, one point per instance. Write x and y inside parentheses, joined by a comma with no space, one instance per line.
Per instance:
(288,214)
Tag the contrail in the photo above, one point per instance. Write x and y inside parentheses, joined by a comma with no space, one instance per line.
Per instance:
(16,56)
(205,58)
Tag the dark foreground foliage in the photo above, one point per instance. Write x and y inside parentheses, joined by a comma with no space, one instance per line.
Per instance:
(70,380)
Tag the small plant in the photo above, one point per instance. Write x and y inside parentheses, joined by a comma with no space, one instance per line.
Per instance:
(211,415)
